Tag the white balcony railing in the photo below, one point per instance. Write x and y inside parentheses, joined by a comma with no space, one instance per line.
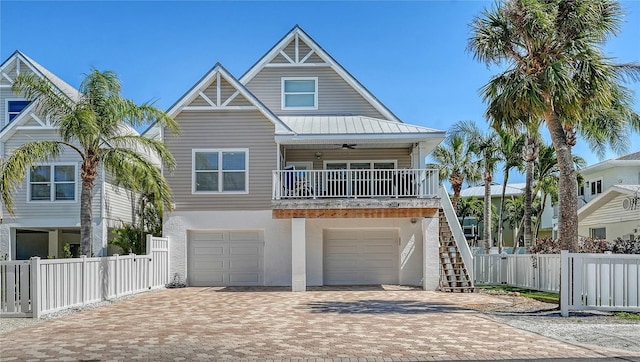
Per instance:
(353,184)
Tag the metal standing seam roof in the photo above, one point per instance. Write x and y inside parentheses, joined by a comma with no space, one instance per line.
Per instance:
(353,125)
(496,190)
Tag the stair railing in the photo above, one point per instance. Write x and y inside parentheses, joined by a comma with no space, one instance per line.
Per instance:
(456,230)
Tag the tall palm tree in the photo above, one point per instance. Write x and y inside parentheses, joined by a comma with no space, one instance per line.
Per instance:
(557,71)
(456,164)
(510,145)
(470,206)
(484,145)
(97,126)
(530,152)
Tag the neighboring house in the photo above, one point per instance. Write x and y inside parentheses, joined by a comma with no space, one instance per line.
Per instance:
(47,205)
(295,175)
(512,190)
(608,199)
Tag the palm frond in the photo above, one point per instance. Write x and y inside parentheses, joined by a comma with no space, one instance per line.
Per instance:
(51,102)
(14,169)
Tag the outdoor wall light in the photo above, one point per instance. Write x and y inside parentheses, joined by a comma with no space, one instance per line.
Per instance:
(318,155)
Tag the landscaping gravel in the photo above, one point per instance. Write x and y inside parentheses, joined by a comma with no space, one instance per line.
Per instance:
(593,328)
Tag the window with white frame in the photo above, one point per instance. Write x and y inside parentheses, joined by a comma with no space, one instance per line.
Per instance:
(14,107)
(598,233)
(300,93)
(52,183)
(220,171)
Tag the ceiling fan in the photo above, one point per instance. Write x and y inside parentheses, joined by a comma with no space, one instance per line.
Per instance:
(346,146)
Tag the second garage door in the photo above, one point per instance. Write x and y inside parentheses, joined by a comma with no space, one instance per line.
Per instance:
(226,258)
(360,257)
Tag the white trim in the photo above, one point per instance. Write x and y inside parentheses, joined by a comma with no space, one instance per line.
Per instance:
(37,119)
(225,108)
(52,183)
(309,54)
(268,57)
(306,65)
(6,108)
(283,80)
(220,171)
(286,57)
(7,77)
(591,183)
(207,99)
(230,99)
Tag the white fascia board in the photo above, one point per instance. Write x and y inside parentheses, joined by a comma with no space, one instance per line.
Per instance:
(415,137)
(601,200)
(609,164)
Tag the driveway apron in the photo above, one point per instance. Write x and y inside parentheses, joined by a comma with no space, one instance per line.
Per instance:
(276,324)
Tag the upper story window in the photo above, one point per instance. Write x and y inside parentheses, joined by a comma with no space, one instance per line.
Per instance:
(52,183)
(596,187)
(220,171)
(14,107)
(581,190)
(300,93)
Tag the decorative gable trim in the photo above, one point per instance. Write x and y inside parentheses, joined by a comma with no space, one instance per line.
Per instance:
(219,101)
(294,40)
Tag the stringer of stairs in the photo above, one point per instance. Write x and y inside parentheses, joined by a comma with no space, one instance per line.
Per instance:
(454,276)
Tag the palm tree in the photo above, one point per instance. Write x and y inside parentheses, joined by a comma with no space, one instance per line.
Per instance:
(485,146)
(97,126)
(456,164)
(510,145)
(556,71)
(470,206)
(530,153)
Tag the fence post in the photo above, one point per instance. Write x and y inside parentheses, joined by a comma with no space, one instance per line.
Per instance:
(35,287)
(115,274)
(564,283)
(151,266)
(84,278)
(538,271)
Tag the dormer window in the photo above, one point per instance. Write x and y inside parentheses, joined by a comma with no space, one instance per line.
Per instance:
(14,107)
(300,93)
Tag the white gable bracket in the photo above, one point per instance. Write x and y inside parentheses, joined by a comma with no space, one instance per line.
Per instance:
(286,57)
(230,99)
(38,120)
(204,96)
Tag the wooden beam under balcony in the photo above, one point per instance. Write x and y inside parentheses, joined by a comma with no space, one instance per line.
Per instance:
(354,213)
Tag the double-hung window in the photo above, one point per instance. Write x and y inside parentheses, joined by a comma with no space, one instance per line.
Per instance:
(14,107)
(596,187)
(220,171)
(300,93)
(52,183)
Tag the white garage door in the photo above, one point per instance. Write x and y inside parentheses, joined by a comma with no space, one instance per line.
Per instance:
(223,258)
(360,257)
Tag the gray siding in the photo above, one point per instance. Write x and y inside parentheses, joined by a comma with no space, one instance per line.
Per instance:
(7,92)
(610,213)
(223,129)
(401,155)
(117,204)
(335,96)
(52,210)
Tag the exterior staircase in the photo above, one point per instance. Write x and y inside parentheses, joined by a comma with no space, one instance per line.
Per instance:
(454,276)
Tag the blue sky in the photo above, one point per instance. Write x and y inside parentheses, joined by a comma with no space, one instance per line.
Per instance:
(411,55)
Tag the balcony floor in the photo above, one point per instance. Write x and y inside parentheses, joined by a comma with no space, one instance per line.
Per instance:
(353,208)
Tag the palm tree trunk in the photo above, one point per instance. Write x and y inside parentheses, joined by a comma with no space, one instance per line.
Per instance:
(539,220)
(86,229)
(501,219)
(456,196)
(486,233)
(567,185)
(527,204)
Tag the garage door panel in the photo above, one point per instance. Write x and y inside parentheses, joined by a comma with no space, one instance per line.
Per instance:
(233,257)
(244,278)
(360,257)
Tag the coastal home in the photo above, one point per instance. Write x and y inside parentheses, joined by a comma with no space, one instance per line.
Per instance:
(473,228)
(608,199)
(296,175)
(47,205)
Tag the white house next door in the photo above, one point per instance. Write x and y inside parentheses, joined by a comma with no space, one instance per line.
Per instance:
(360,256)
(226,258)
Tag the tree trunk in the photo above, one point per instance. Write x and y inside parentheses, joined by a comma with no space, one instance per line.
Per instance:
(486,233)
(567,185)
(539,220)
(86,227)
(501,218)
(456,180)
(527,204)
(88,173)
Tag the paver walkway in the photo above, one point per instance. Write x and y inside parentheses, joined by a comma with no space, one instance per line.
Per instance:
(272,324)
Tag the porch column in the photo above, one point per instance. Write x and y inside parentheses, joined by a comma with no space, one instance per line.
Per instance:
(430,253)
(53,244)
(298,255)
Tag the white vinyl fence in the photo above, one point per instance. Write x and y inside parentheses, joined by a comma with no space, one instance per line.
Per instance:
(531,271)
(585,281)
(32,288)
(600,281)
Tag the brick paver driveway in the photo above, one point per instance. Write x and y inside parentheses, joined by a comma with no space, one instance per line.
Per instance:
(274,324)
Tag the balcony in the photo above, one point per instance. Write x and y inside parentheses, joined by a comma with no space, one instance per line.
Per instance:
(356,189)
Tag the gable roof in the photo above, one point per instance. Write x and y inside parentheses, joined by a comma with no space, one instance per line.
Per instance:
(629,160)
(62,86)
(513,189)
(604,198)
(219,71)
(296,34)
